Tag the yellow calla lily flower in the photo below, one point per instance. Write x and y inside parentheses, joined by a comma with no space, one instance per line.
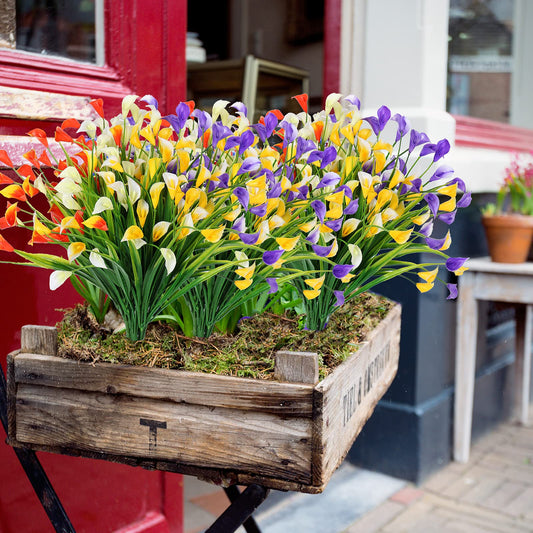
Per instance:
(213,235)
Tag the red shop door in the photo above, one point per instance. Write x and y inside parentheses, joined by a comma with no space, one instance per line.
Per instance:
(142,52)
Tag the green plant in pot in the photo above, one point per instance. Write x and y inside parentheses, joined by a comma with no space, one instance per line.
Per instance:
(508,222)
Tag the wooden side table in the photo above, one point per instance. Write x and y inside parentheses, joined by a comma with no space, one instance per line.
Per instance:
(501,282)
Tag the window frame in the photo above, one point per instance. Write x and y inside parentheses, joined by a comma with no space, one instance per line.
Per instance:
(129,66)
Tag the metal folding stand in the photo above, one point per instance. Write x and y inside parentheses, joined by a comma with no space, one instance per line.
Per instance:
(238,513)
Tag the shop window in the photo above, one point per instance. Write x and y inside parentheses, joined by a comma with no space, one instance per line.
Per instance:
(480,58)
(70,29)
(490,73)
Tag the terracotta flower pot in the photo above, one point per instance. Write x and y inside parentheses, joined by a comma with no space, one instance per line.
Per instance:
(509,237)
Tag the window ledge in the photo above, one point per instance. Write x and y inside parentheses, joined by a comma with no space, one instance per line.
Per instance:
(479,133)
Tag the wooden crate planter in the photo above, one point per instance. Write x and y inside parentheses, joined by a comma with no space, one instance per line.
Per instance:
(288,436)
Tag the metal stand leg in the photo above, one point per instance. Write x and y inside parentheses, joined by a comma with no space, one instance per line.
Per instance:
(240,511)
(36,474)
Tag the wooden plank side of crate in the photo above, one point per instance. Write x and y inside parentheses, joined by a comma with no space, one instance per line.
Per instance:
(347,397)
(261,443)
(287,399)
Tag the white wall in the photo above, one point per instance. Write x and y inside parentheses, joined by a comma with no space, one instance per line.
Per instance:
(394,53)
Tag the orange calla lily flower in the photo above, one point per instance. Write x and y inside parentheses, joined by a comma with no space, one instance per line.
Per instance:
(40,135)
(14,191)
(96,222)
(4,158)
(5,246)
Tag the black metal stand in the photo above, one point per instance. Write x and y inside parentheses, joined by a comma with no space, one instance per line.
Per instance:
(238,513)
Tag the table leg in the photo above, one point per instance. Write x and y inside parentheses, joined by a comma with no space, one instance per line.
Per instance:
(523,341)
(465,367)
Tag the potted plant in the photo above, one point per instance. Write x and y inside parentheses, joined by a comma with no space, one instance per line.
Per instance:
(508,222)
(196,218)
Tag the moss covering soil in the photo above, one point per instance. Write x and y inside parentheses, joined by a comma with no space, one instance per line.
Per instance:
(248,353)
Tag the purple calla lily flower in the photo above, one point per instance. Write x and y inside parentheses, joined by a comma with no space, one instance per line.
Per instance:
(417,138)
(275,191)
(353,100)
(219,132)
(240,107)
(183,112)
(303,192)
(246,140)
(315,155)
(223,180)
(239,225)
(378,123)
(329,179)
(232,142)
(273,282)
(426,229)
(249,165)
(403,126)
(352,207)
(340,271)
(242,195)
(319,208)
(335,225)
(435,244)
(322,251)
(131,121)
(455,263)
(443,172)
(290,132)
(303,146)
(267,129)
(272,256)
(443,147)
(259,210)
(347,191)
(150,100)
(249,238)
(313,236)
(172,166)
(448,218)
(465,200)
(340,298)
(433,202)
(452,287)
(330,153)
(461,186)
(204,121)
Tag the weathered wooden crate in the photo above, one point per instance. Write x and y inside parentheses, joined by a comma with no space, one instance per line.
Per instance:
(287,436)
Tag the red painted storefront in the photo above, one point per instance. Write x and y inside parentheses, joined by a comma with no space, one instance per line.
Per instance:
(145,54)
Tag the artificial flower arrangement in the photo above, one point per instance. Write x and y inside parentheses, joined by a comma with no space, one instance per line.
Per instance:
(200,218)
(516,192)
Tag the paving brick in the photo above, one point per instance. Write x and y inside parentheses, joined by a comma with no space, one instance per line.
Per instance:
(410,517)
(478,515)
(407,495)
(373,521)
(522,505)
(441,480)
(485,485)
(504,494)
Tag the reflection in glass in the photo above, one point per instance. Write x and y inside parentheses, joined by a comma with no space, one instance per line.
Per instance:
(480,58)
(64,28)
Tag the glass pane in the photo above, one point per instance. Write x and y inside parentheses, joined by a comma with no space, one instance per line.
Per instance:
(480,58)
(63,28)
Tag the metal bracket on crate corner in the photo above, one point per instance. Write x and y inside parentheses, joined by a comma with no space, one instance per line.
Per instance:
(239,513)
(36,474)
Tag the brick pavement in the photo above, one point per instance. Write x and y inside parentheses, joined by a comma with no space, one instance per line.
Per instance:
(493,492)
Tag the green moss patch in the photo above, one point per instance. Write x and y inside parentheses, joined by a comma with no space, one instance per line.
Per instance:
(248,353)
